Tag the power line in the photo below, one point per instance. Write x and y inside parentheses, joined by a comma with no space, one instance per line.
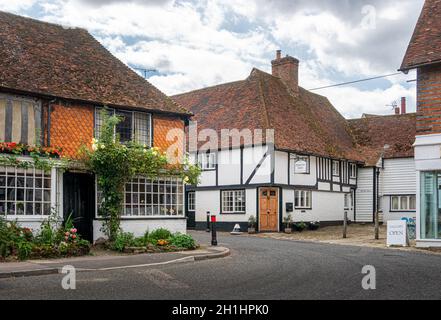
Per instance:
(356,81)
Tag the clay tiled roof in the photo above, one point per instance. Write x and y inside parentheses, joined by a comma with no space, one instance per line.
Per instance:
(306,123)
(424,47)
(51,60)
(372,133)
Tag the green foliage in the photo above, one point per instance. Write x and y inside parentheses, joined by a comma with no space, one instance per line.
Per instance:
(116,163)
(159,234)
(53,240)
(123,240)
(287,220)
(252,222)
(183,241)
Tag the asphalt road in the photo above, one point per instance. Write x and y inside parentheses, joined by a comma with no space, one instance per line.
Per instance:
(257,269)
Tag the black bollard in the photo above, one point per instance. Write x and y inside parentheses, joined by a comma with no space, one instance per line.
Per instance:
(213,231)
(208,221)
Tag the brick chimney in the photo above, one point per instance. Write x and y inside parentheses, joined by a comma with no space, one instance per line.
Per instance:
(287,69)
(403,105)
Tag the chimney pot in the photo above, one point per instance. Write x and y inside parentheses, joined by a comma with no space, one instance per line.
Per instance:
(403,105)
(278,54)
(397,110)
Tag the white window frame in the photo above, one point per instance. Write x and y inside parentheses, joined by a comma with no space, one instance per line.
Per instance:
(335,168)
(45,188)
(134,133)
(401,200)
(167,209)
(191,201)
(301,158)
(233,204)
(304,199)
(207,160)
(352,170)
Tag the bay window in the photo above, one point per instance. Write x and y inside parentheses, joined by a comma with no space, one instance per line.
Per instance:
(162,197)
(24,191)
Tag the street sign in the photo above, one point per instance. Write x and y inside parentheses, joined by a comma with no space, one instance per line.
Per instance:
(397,233)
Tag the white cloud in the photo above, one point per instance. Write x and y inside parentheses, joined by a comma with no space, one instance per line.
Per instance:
(200,43)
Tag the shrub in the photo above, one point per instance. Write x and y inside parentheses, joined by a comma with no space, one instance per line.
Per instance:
(123,240)
(159,234)
(183,241)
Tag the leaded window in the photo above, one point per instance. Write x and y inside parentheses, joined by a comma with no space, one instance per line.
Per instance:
(134,126)
(24,191)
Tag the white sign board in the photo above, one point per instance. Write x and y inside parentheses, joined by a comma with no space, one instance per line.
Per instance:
(397,233)
(301,166)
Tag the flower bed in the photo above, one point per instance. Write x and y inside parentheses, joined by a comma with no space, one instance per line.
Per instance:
(160,240)
(53,241)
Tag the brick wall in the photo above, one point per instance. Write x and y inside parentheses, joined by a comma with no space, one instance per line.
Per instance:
(174,127)
(429,100)
(71,127)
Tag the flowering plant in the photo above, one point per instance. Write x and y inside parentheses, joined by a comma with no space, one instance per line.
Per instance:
(71,235)
(19,149)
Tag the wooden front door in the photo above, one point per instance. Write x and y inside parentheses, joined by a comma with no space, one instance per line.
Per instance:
(268,216)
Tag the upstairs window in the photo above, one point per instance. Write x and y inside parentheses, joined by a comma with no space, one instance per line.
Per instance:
(335,168)
(134,126)
(207,161)
(352,170)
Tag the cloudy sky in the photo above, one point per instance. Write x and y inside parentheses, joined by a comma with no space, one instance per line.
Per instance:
(194,44)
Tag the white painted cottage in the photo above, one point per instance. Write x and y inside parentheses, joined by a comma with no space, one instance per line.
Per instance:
(308,161)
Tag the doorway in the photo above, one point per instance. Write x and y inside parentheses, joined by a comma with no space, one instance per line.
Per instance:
(268,210)
(79,202)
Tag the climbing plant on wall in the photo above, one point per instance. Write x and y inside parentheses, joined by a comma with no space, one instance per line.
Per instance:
(116,163)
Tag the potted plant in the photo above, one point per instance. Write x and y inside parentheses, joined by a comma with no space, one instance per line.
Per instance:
(287,221)
(252,224)
(314,225)
(300,226)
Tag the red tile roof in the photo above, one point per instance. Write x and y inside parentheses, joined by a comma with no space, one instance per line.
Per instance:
(51,60)
(307,123)
(372,133)
(424,47)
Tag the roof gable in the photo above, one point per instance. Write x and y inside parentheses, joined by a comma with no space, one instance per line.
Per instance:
(48,59)
(304,123)
(424,46)
(372,134)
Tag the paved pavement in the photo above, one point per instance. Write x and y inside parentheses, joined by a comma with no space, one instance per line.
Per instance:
(256,269)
